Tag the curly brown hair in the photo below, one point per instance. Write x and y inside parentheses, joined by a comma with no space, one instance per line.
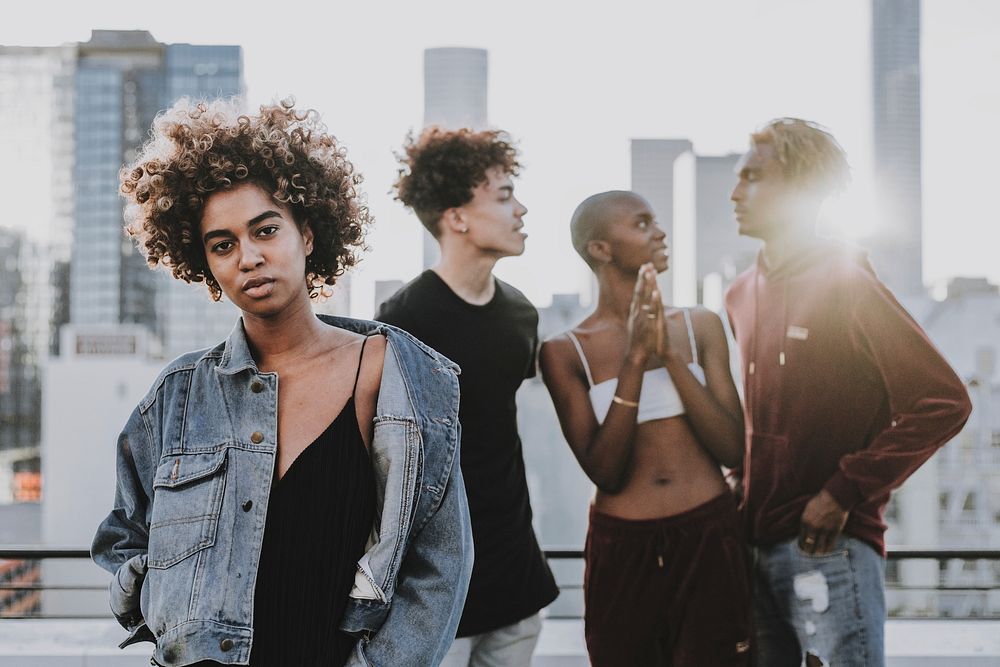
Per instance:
(197,149)
(440,169)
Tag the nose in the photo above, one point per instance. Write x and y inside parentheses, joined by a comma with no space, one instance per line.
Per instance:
(250,257)
(737,194)
(521,210)
(658,232)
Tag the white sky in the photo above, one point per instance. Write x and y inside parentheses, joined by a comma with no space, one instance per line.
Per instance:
(574,85)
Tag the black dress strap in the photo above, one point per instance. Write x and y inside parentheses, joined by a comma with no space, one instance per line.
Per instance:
(361,357)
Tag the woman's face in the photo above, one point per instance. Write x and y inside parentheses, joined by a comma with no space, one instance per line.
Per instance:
(255,250)
(634,237)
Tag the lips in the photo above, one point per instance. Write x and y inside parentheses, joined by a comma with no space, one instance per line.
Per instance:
(258,287)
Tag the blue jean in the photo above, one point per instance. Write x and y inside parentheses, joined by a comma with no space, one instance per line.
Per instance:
(831,606)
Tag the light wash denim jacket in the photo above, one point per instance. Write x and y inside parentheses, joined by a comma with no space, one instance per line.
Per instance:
(194,467)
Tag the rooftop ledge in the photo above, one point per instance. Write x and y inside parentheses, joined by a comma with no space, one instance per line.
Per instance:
(93,643)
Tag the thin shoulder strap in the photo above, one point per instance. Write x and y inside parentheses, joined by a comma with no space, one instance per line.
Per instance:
(691,340)
(583,358)
(361,357)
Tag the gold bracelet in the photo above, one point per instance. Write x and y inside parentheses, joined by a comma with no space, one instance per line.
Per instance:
(622,401)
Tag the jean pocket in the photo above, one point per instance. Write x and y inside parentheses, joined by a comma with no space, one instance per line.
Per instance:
(187,498)
(839,550)
(836,552)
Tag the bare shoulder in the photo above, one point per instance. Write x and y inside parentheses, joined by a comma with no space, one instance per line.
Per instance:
(556,349)
(369,380)
(709,330)
(374,354)
(702,317)
(706,324)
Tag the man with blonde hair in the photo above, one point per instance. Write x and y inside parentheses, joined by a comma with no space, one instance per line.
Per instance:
(845,397)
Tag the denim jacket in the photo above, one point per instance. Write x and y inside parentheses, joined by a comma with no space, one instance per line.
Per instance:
(194,466)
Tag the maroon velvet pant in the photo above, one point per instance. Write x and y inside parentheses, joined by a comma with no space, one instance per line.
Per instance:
(668,592)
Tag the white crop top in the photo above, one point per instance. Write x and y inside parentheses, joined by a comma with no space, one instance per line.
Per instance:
(658,398)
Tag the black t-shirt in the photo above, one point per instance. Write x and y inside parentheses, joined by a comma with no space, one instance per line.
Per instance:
(494,344)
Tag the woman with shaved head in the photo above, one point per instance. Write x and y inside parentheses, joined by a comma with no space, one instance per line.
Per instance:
(647,403)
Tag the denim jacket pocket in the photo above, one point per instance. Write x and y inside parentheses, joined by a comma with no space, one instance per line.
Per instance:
(187,498)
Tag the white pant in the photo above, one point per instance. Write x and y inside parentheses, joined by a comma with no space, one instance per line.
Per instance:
(509,646)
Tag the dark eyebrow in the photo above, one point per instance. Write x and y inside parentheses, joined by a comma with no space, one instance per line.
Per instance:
(250,223)
(508,188)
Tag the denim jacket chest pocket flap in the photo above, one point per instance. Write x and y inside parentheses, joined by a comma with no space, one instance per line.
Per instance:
(187,497)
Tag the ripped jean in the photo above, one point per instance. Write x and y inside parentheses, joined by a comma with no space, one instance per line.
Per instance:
(830,606)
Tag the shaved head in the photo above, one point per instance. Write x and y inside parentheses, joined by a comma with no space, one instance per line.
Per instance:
(591,218)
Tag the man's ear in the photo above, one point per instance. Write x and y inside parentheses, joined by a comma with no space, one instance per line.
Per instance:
(452,220)
(599,250)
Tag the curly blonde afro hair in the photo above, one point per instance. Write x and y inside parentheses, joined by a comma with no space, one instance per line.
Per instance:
(808,154)
(197,149)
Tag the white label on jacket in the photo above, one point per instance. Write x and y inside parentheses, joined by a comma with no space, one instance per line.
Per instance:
(798,333)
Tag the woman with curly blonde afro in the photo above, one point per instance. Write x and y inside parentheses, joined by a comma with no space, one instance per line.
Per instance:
(265,527)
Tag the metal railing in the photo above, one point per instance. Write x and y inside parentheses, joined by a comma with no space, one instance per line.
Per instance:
(23,583)
(948,597)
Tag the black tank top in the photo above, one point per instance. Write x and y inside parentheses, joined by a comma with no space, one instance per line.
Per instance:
(319,517)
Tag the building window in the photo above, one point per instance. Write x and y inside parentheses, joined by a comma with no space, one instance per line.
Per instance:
(970,502)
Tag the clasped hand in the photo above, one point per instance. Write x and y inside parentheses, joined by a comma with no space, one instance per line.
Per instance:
(647,329)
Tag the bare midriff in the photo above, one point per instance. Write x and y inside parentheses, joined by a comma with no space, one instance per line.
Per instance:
(670,473)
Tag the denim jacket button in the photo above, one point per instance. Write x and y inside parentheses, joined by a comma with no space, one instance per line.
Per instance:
(247,504)
(256,437)
(226,644)
(256,386)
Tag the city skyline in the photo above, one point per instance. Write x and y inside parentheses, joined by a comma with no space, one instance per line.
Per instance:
(575,111)
(699,77)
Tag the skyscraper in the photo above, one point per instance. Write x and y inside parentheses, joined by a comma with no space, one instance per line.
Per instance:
(123,79)
(36,132)
(20,388)
(653,178)
(454,96)
(719,249)
(897,245)
(455,87)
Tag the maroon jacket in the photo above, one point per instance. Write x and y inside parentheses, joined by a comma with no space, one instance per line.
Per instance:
(842,391)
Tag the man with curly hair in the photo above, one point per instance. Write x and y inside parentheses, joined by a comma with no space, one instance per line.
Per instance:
(322,524)
(845,397)
(459,185)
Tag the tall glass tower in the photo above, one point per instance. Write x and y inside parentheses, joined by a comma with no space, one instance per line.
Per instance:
(455,81)
(897,247)
(123,79)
